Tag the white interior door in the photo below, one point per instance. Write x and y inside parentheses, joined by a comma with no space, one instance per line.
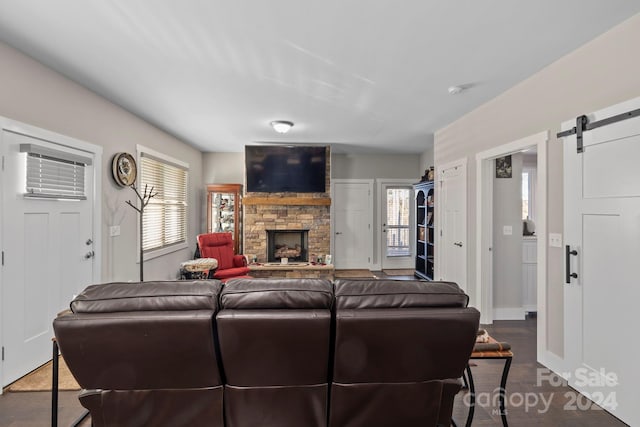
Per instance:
(48,258)
(352,219)
(452,245)
(602,226)
(396,219)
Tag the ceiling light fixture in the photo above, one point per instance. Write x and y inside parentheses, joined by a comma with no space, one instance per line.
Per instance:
(281,126)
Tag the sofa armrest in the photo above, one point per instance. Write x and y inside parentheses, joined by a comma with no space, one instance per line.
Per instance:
(239,261)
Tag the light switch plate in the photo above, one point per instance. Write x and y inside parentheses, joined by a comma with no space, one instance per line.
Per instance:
(555,240)
(507,230)
(114,230)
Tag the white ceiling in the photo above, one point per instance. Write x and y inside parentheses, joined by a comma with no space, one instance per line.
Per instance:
(361,75)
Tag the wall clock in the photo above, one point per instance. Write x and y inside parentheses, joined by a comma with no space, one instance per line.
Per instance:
(124,169)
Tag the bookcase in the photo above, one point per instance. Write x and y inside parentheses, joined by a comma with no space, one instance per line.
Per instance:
(425,232)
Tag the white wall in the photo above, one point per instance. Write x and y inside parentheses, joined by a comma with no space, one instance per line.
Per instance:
(601,73)
(34,94)
(507,249)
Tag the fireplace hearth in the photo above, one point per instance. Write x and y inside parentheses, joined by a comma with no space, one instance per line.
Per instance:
(290,244)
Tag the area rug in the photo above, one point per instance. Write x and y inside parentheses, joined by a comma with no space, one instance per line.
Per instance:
(40,379)
(352,274)
(399,272)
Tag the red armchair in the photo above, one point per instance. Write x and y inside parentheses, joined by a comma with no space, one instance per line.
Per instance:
(220,247)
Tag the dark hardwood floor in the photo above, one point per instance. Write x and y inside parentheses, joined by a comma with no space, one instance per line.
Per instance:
(548,405)
(27,409)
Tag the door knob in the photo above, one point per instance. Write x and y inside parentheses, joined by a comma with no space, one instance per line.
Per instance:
(458,244)
(338,232)
(89,254)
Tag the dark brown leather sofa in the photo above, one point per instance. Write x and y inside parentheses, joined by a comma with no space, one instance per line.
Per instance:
(263,352)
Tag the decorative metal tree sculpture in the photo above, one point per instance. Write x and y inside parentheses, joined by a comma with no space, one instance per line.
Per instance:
(144,201)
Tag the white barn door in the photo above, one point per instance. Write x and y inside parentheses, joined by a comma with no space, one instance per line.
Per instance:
(602,238)
(48,251)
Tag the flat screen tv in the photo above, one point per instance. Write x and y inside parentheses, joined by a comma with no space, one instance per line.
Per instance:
(285,169)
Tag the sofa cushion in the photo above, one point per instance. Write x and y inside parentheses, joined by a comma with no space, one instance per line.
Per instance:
(255,294)
(359,294)
(148,296)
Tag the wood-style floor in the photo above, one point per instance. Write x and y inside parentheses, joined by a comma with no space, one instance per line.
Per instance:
(27,409)
(522,386)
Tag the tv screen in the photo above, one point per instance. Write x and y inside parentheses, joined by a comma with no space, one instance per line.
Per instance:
(285,169)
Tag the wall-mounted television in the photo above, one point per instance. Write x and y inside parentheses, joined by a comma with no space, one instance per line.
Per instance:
(285,169)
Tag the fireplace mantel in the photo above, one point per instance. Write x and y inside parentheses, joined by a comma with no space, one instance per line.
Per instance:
(286,201)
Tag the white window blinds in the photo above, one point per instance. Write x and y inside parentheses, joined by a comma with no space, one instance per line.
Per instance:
(54,174)
(165,218)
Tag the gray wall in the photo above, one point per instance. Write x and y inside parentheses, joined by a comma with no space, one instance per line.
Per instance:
(370,166)
(36,95)
(601,73)
(507,249)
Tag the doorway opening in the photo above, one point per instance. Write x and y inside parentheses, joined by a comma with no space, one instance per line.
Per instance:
(500,233)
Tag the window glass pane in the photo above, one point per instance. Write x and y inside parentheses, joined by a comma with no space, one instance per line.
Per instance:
(397,221)
(525,195)
(165,218)
(52,177)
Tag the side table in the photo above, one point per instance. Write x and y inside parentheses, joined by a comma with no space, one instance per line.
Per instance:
(498,351)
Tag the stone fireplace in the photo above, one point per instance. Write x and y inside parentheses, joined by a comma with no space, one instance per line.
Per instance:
(290,244)
(280,214)
(310,212)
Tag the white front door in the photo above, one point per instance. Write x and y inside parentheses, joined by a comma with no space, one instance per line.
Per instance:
(396,217)
(48,258)
(602,226)
(452,244)
(352,218)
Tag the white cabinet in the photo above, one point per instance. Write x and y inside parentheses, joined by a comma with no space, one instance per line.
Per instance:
(529,273)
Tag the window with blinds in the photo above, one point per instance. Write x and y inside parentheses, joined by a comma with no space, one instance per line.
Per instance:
(164,221)
(54,173)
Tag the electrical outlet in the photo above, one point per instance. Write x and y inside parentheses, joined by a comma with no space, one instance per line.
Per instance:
(555,240)
(114,231)
(507,230)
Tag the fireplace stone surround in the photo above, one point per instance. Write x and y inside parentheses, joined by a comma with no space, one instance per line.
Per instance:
(268,215)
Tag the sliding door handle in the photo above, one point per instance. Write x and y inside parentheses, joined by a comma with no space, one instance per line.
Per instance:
(567,266)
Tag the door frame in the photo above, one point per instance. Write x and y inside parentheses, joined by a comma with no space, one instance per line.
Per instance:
(370,218)
(484,227)
(380,184)
(95,151)
(461,163)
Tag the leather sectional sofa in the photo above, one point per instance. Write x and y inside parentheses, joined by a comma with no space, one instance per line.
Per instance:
(265,352)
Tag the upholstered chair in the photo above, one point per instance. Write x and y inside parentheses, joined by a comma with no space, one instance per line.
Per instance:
(220,247)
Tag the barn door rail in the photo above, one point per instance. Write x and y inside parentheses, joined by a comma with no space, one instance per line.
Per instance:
(583,125)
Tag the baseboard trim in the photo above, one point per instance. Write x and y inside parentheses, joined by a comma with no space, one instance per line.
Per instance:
(510,313)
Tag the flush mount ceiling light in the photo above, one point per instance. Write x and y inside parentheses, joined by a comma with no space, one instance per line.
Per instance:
(281,126)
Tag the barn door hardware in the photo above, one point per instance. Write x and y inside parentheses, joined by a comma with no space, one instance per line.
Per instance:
(567,271)
(583,125)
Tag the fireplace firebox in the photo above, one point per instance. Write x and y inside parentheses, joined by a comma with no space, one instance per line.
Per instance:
(291,244)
